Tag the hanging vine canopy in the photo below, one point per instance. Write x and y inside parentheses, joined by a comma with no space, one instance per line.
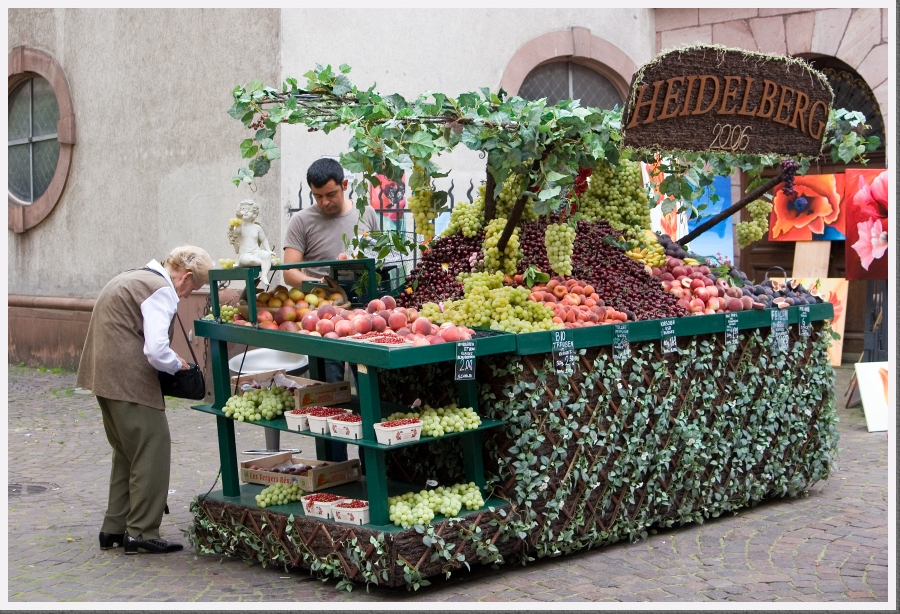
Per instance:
(544,144)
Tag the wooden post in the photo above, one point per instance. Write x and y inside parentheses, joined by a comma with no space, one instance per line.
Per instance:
(811,259)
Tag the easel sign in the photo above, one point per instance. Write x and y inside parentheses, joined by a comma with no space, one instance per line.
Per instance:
(873,378)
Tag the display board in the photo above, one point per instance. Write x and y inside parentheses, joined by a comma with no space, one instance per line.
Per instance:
(873,378)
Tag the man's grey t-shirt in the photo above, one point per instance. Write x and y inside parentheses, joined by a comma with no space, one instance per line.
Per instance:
(318,236)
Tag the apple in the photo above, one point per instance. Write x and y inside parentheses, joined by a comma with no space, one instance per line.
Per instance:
(269,326)
(295,294)
(282,296)
(289,326)
(696,283)
(264,316)
(286,314)
(309,322)
(702,293)
(264,297)
(313,300)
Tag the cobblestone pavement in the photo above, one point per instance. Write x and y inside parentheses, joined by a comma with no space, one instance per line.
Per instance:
(830,546)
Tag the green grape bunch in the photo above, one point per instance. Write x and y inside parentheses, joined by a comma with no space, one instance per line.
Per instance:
(227,312)
(259,403)
(756,228)
(419,508)
(559,239)
(279,494)
(442,420)
(508,261)
(617,195)
(424,214)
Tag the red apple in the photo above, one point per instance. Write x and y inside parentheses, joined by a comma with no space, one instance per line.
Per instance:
(326,312)
(286,314)
(269,326)
(289,326)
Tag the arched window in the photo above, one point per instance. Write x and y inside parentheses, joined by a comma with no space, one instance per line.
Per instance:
(851,92)
(557,81)
(40,136)
(33,146)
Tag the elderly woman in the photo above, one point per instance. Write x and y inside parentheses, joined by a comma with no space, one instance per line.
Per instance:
(127,345)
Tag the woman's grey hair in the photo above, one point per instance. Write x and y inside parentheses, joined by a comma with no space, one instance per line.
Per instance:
(191,258)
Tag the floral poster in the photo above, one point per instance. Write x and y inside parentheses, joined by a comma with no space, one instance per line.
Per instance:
(834,290)
(673,223)
(866,198)
(389,198)
(814,213)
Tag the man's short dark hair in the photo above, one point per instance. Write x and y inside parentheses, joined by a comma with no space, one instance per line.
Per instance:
(324,170)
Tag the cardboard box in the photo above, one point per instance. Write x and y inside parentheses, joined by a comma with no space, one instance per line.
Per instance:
(311,392)
(324,474)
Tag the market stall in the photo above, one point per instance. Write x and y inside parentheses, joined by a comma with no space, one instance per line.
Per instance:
(572,377)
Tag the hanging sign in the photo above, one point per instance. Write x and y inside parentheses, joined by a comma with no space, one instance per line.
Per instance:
(563,352)
(706,98)
(667,336)
(465,360)
(779,330)
(621,351)
(731,328)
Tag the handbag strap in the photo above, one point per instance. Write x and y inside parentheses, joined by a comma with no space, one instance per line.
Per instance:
(178,317)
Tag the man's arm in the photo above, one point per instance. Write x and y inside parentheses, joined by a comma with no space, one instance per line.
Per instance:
(295,277)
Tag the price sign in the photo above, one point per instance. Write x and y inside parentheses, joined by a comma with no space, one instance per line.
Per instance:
(564,356)
(780,330)
(621,351)
(667,336)
(804,321)
(465,360)
(731,328)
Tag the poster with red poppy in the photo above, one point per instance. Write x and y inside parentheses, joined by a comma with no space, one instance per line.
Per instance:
(814,213)
(866,199)
(389,198)
(834,290)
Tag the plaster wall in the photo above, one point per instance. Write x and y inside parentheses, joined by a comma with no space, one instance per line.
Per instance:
(441,50)
(155,148)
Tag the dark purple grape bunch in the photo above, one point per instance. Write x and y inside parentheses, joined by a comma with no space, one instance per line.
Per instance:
(789,169)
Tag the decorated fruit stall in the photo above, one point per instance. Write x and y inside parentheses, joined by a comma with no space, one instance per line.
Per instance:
(551,374)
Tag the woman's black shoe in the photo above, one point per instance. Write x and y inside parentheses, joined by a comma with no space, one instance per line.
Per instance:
(133,545)
(111,540)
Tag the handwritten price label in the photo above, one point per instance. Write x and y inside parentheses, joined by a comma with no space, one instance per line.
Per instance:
(564,357)
(465,360)
(667,336)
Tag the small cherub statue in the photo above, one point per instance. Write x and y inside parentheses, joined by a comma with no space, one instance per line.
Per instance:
(249,240)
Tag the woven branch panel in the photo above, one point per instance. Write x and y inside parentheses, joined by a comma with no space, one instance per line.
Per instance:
(654,440)
(347,551)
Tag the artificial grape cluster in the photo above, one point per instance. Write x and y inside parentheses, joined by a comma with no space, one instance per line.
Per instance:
(617,195)
(422,207)
(757,226)
(434,277)
(467,218)
(789,170)
(507,261)
(259,403)
(442,420)
(279,494)
(487,303)
(559,240)
(226,313)
(413,508)
(620,282)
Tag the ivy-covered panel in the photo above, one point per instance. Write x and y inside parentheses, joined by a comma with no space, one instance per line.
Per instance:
(655,439)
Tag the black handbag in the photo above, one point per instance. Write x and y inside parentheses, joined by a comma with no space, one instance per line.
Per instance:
(185,383)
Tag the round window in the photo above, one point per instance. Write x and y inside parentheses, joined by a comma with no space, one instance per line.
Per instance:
(33,144)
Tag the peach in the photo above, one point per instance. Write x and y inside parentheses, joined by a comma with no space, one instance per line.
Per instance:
(748,302)
(736,304)
(702,293)
(671,263)
(389,302)
(375,305)
(379,325)
(324,326)
(435,339)
(714,303)
(302,305)
(559,291)
(695,284)
(421,326)
(362,324)
(314,333)
(452,333)
(397,320)
(697,305)
(326,312)
(412,315)
(667,276)
(403,331)
(331,335)
(678,271)
(420,342)
(385,314)
(344,328)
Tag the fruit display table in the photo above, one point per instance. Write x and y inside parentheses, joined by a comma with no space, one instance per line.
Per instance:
(588,436)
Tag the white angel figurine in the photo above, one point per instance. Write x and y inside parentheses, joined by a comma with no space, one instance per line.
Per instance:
(249,240)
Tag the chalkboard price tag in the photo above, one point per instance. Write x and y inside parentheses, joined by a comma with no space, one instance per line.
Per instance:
(667,336)
(780,330)
(465,360)
(564,356)
(621,351)
(731,328)
(804,321)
